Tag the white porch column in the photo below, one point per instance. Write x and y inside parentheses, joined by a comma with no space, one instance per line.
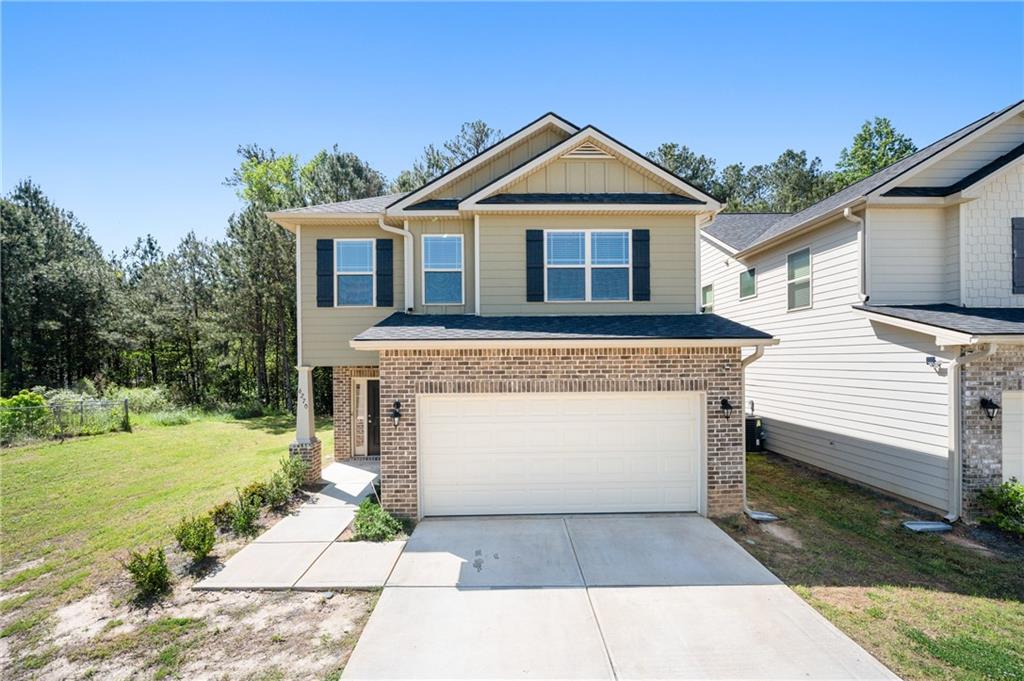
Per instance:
(306,445)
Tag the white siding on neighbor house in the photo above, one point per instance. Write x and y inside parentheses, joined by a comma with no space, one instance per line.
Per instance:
(839,392)
(986,261)
(971,156)
(909,253)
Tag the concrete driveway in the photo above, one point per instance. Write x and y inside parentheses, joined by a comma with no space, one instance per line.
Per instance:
(594,597)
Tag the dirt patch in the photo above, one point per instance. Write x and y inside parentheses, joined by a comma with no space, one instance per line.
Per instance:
(785,534)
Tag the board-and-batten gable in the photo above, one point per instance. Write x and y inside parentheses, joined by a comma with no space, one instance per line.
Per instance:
(322,327)
(527,148)
(987,147)
(838,392)
(587,176)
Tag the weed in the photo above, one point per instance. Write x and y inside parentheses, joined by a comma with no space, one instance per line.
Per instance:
(971,655)
(22,624)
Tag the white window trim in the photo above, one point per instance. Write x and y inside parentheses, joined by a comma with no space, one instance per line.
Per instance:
(754,294)
(588,267)
(809,278)
(704,308)
(372,272)
(424,269)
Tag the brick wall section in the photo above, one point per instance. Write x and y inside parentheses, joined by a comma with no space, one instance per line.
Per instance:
(406,373)
(982,453)
(310,453)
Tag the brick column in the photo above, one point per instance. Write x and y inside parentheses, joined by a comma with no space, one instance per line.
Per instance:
(342,413)
(306,445)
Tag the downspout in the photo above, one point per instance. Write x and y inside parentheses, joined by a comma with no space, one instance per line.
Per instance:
(407,259)
(744,363)
(862,288)
(955,435)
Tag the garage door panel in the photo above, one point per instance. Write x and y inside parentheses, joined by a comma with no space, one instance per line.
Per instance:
(559,453)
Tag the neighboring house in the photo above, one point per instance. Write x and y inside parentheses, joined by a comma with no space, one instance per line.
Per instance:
(899,303)
(522,335)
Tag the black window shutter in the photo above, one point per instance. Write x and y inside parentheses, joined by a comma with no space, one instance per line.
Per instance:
(1018,254)
(325,273)
(535,265)
(385,273)
(641,264)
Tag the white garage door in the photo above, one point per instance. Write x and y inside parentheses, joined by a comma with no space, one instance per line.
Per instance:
(1013,435)
(559,453)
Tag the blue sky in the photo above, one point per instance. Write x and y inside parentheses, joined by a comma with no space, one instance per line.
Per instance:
(130,115)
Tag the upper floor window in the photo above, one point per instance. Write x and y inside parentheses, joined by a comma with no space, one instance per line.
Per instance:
(588,265)
(798,279)
(354,271)
(748,284)
(442,269)
(707,298)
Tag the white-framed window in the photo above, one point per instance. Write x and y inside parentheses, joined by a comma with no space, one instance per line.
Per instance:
(707,298)
(798,279)
(748,283)
(588,265)
(442,269)
(355,262)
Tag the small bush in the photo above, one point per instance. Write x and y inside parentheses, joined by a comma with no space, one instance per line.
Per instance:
(24,415)
(142,400)
(279,491)
(196,536)
(1005,506)
(373,523)
(149,572)
(244,517)
(222,514)
(249,410)
(294,471)
(255,493)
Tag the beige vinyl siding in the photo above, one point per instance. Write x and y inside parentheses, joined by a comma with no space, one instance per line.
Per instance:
(587,177)
(971,156)
(516,155)
(444,226)
(503,264)
(839,392)
(909,254)
(326,331)
(952,276)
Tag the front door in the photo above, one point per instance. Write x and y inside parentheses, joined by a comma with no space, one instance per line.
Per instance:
(373,417)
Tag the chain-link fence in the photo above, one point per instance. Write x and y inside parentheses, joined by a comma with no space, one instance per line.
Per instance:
(62,419)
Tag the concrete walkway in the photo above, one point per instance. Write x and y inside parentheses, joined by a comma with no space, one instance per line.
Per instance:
(301,552)
(594,597)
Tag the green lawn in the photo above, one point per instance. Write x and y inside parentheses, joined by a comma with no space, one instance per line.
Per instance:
(927,607)
(71,509)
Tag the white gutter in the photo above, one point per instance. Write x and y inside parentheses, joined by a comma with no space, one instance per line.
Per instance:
(955,445)
(744,363)
(406,260)
(862,251)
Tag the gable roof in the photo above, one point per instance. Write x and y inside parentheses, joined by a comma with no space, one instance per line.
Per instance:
(739,230)
(977,321)
(594,136)
(501,145)
(965,182)
(858,190)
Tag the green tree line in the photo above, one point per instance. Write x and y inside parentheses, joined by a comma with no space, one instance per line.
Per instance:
(214,320)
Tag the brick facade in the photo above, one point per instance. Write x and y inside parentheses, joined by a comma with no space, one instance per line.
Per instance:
(982,451)
(716,371)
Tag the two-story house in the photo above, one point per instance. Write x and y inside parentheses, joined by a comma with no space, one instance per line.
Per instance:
(523,335)
(899,303)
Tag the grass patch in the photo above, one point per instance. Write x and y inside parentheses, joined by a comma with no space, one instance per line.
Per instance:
(81,505)
(926,607)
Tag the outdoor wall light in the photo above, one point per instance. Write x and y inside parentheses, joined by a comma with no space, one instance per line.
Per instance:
(396,413)
(990,406)
(726,407)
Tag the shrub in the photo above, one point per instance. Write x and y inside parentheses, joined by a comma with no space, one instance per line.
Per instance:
(244,517)
(294,471)
(222,514)
(248,410)
(149,573)
(196,536)
(279,490)
(24,415)
(373,523)
(1005,506)
(255,493)
(169,418)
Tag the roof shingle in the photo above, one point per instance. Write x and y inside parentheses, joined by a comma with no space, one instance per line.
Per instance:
(978,321)
(739,230)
